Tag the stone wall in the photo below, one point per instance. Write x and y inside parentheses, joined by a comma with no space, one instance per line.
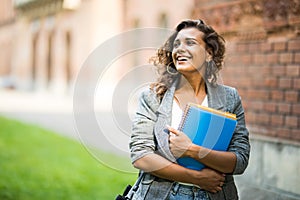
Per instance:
(273,171)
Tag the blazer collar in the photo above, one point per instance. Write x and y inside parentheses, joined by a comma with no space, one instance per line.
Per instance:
(216,96)
(165,107)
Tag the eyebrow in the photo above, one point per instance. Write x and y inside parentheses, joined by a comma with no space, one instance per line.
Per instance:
(187,39)
(191,39)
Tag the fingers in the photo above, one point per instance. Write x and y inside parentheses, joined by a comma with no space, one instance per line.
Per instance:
(214,180)
(216,189)
(173,130)
(219,187)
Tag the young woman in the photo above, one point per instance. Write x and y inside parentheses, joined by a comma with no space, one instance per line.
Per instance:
(189,63)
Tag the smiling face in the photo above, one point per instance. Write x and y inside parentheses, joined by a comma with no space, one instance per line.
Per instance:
(189,52)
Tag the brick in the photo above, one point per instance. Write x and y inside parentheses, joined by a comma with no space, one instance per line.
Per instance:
(242,47)
(230,46)
(272,58)
(257,129)
(257,94)
(271,82)
(284,108)
(258,81)
(296,109)
(263,119)
(245,82)
(250,117)
(272,131)
(286,58)
(285,83)
(292,70)
(295,135)
(292,96)
(266,70)
(279,46)
(277,95)
(291,121)
(257,105)
(234,59)
(246,59)
(294,45)
(240,70)
(296,83)
(254,47)
(266,47)
(270,107)
(228,71)
(283,133)
(278,70)
(296,57)
(277,120)
(259,59)
(246,103)
(252,70)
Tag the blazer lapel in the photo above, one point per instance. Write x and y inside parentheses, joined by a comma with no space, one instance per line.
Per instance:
(216,96)
(164,117)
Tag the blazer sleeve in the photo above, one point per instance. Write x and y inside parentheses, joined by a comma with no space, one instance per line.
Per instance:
(240,140)
(142,140)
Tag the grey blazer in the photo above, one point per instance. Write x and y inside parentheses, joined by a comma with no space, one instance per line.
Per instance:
(148,137)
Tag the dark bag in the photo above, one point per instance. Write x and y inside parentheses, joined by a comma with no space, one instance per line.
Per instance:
(123,197)
(129,190)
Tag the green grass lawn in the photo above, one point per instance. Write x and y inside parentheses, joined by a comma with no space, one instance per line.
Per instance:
(37,164)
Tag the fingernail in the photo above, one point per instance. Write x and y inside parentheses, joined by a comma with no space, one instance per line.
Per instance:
(166,130)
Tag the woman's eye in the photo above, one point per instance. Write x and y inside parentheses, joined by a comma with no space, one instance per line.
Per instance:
(176,44)
(190,42)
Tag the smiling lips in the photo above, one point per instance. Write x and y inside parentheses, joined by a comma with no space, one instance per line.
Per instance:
(181,58)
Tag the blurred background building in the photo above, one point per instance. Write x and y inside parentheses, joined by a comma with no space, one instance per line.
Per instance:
(45,42)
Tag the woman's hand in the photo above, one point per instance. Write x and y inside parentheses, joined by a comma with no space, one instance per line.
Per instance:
(210,180)
(179,142)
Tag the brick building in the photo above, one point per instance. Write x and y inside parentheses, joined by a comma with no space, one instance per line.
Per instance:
(262,62)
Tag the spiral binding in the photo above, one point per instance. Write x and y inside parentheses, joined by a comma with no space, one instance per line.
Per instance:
(183,119)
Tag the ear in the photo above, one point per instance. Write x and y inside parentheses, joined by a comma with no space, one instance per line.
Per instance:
(208,55)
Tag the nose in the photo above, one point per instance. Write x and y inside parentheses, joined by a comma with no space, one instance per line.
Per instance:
(180,48)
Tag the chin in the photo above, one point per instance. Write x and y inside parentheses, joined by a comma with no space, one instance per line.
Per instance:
(182,68)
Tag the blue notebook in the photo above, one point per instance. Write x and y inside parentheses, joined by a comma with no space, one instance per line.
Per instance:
(206,127)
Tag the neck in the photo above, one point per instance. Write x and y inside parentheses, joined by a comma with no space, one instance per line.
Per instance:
(194,83)
(191,89)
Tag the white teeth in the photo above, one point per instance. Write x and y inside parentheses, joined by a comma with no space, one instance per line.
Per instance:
(182,59)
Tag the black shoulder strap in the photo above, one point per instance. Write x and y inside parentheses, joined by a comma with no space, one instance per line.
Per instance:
(136,185)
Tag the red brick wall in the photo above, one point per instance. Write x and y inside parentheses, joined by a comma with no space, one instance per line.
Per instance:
(267,76)
(262,61)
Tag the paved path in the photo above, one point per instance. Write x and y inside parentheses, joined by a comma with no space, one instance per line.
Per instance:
(56,113)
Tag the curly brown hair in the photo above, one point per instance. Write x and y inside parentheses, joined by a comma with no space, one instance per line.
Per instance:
(215,44)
